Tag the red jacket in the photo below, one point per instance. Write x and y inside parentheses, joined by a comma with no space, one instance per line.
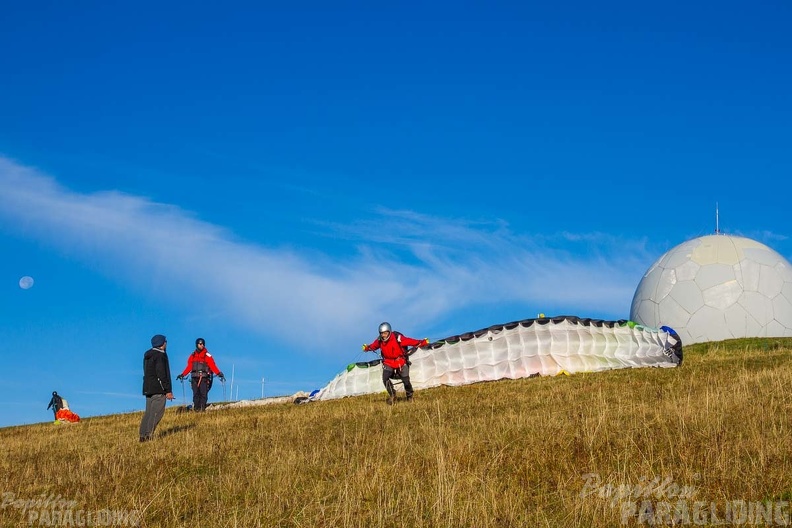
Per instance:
(392,349)
(203,357)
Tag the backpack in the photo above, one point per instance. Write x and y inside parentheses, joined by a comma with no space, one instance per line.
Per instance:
(405,351)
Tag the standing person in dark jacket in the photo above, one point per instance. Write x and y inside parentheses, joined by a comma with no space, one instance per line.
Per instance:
(156,385)
(201,366)
(56,403)
(393,347)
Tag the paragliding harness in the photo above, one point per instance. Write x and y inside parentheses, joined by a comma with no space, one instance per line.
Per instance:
(200,371)
(406,352)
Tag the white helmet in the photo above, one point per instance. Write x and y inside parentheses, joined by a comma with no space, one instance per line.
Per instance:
(384,327)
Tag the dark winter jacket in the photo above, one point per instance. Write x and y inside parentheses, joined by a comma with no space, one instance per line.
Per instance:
(56,403)
(156,372)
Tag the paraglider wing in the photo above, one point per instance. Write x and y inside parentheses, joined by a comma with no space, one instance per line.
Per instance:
(521,349)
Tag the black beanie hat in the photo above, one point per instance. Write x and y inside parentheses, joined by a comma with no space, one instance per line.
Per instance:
(201,341)
(158,340)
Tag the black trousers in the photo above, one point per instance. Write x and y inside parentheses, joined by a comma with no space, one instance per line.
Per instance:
(403,373)
(200,388)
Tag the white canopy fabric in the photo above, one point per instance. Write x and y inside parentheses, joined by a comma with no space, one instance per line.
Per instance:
(521,349)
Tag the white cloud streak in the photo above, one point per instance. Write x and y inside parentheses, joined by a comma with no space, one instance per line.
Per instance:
(415,266)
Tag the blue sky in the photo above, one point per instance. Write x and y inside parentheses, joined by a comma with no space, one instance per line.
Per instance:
(279,179)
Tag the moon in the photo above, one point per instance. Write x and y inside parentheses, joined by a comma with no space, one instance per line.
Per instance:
(26,282)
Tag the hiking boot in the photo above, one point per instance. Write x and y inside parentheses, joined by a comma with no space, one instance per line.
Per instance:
(409,397)
(391,399)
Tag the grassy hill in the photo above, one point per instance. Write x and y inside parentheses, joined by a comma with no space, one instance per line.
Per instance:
(602,449)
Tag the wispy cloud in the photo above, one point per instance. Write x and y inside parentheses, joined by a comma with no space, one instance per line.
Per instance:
(416,266)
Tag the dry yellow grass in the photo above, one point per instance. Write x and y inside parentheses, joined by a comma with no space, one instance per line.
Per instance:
(536,452)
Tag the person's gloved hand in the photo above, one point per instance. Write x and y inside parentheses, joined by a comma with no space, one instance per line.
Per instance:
(365,347)
(180,377)
(425,342)
(220,375)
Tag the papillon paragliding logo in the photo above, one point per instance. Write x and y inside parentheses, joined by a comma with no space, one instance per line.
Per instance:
(52,510)
(660,501)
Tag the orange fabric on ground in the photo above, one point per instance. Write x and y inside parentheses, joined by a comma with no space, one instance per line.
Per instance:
(65,415)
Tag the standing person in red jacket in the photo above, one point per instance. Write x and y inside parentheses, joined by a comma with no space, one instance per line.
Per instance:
(393,347)
(201,365)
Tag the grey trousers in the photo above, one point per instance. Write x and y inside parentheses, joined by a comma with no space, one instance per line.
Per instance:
(155,409)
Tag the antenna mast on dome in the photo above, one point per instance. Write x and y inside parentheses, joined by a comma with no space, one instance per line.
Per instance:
(717,227)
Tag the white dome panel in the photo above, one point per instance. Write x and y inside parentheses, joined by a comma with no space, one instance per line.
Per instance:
(678,257)
(728,254)
(646,313)
(667,282)
(743,318)
(688,295)
(670,310)
(770,282)
(649,283)
(759,306)
(783,269)
(746,244)
(774,328)
(706,252)
(750,274)
(710,324)
(714,274)
(782,309)
(739,321)
(765,256)
(687,271)
(723,295)
(635,303)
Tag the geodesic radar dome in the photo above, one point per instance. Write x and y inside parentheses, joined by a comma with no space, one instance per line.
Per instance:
(717,287)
